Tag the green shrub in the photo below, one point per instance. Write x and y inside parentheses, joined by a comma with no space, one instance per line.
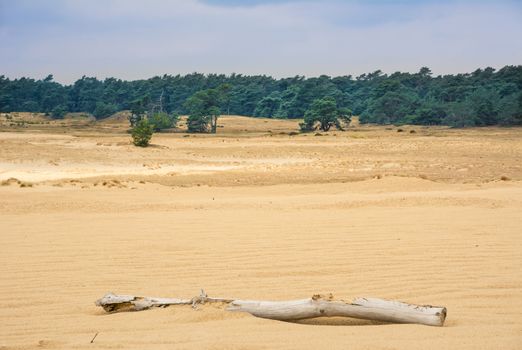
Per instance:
(162,120)
(142,133)
(104,110)
(198,123)
(59,112)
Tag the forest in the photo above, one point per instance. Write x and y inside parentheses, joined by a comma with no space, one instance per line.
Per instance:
(483,97)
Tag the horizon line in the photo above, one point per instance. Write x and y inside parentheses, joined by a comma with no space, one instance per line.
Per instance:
(352,76)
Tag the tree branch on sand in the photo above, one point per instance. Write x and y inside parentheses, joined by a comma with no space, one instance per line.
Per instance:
(292,310)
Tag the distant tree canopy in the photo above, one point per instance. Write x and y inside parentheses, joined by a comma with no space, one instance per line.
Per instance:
(484,97)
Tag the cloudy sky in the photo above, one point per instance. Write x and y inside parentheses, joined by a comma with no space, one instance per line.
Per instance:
(132,39)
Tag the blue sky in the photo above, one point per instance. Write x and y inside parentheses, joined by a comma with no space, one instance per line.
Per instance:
(133,39)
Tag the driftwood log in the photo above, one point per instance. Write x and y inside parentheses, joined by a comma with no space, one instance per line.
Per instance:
(114,303)
(293,310)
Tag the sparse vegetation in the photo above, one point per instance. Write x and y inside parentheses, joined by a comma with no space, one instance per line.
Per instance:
(162,121)
(142,133)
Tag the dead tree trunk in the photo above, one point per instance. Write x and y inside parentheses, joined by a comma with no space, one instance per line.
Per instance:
(362,308)
(213,124)
(293,310)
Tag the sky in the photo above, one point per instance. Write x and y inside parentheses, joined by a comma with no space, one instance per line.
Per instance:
(138,39)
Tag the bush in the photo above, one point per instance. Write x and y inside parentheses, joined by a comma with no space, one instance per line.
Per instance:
(198,123)
(104,110)
(161,121)
(58,112)
(142,133)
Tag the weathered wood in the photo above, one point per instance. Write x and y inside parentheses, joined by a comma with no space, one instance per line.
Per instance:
(115,303)
(362,308)
(112,302)
(293,310)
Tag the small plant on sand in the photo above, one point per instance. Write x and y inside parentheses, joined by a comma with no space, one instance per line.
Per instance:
(142,133)
(162,121)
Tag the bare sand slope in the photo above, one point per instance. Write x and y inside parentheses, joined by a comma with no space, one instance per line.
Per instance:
(422,217)
(453,245)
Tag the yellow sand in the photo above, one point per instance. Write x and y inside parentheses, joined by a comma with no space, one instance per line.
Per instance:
(431,217)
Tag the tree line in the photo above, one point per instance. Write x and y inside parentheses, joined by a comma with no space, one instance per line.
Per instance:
(483,97)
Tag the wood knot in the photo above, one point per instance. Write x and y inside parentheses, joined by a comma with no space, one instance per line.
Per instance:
(328,297)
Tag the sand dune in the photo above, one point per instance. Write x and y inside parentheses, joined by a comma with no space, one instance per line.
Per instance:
(288,219)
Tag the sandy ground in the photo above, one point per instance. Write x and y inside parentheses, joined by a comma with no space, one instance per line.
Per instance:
(430,217)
